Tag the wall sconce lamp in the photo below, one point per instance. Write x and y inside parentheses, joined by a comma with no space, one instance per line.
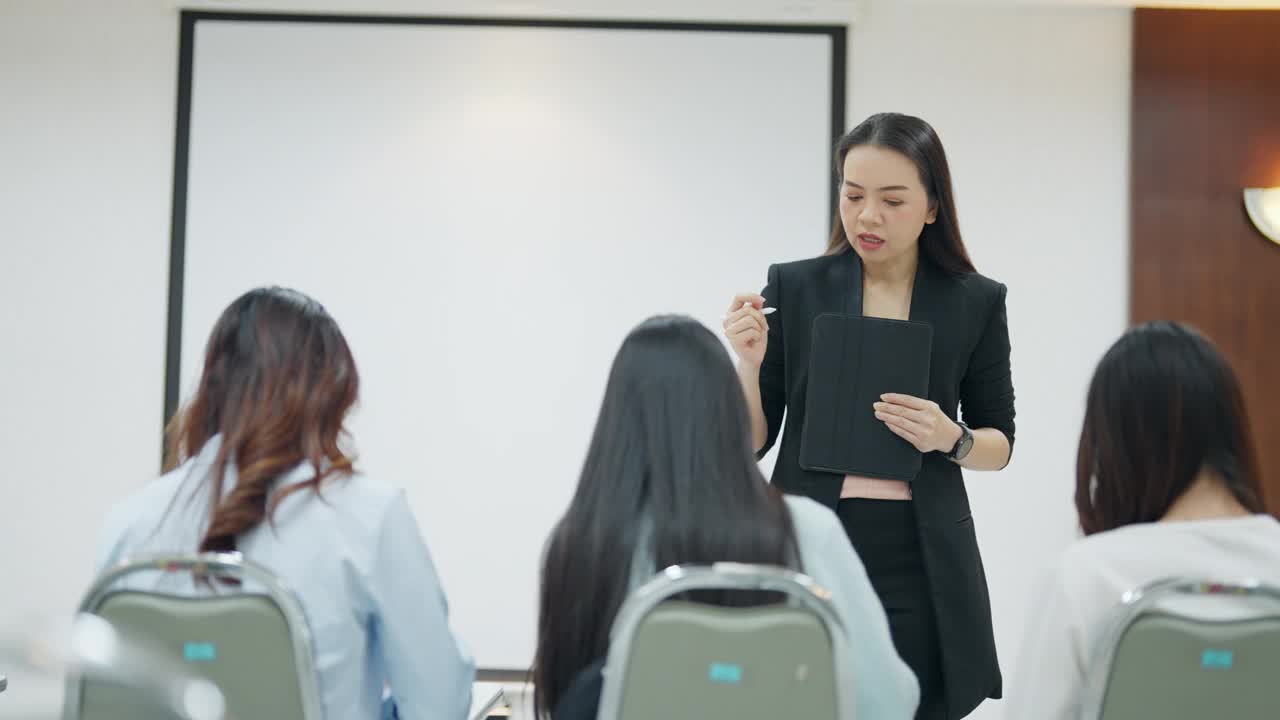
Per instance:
(1263,206)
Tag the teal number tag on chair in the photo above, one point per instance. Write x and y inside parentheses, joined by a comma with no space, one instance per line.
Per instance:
(199,652)
(1216,659)
(725,673)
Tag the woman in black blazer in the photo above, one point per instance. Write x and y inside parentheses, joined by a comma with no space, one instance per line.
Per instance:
(896,252)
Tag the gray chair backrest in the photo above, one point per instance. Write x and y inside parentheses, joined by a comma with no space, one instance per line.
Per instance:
(675,659)
(1188,649)
(252,643)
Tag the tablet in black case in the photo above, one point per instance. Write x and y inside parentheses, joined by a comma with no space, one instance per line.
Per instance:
(853,360)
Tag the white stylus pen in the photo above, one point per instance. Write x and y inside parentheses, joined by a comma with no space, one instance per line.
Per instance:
(763,311)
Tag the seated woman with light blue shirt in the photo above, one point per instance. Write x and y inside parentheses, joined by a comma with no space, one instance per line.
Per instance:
(261,468)
(670,478)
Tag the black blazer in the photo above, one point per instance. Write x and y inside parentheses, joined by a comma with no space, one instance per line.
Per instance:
(969,368)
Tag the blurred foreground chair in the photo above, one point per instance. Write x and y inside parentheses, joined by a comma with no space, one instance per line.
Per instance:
(242,631)
(1189,649)
(673,655)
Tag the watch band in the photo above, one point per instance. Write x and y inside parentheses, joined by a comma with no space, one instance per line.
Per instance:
(964,441)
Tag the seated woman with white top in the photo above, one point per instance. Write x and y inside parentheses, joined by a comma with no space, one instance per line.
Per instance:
(263,469)
(1167,486)
(670,478)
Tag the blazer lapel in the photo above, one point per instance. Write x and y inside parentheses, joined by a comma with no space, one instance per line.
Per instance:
(929,304)
(843,292)
(926,295)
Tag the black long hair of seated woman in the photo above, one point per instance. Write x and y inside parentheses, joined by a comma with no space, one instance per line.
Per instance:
(671,455)
(1164,406)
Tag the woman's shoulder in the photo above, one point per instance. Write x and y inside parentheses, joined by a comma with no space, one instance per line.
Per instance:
(1140,538)
(358,487)
(358,499)
(970,294)
(980,284)
(138,518)
(807,510)
(1085,554)
(973,284)
(1160,549)
(814,523)
(149,500)
(1093,573)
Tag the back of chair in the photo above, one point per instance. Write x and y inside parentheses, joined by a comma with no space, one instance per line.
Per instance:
(254,646)
(676,659)
(1183,649)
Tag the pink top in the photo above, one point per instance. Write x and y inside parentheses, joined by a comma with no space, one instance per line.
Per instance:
(857,486)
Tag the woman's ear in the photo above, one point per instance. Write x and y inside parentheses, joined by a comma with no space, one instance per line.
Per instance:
(933,212)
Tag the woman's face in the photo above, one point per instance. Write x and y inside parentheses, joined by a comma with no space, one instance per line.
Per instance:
(883,204)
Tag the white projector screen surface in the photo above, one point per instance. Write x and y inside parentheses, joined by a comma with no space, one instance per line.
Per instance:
(487,211)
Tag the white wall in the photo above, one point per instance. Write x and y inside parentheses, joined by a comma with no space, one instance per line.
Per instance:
(86,131)
(424,190)
(1032,104)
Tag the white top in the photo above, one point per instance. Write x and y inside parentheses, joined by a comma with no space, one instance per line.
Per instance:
(1079,596)
(356,562)
(883,686)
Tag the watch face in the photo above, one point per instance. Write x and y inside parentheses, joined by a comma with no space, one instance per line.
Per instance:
(966,444)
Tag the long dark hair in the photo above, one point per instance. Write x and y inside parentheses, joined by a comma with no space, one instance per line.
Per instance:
(940,241)
(1163,406)
(277,384)
(672,447)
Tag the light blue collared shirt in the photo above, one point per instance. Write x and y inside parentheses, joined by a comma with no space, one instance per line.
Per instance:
(356,562)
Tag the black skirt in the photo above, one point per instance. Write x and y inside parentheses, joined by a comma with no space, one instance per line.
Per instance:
(884,534)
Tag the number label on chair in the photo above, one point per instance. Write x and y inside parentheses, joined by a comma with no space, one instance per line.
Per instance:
(199,652)
(725,673)
(1216,659)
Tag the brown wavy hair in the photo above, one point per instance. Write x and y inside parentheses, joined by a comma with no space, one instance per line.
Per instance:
(277,384)
(940,241)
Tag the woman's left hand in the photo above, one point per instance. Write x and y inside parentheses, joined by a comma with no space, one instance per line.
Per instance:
(920,422)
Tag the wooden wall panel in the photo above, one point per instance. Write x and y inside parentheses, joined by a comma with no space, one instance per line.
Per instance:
(1205,124)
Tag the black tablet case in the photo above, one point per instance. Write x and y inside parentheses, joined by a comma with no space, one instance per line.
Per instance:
(853,360)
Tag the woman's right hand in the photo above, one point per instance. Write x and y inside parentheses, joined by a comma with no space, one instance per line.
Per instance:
(747,328)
